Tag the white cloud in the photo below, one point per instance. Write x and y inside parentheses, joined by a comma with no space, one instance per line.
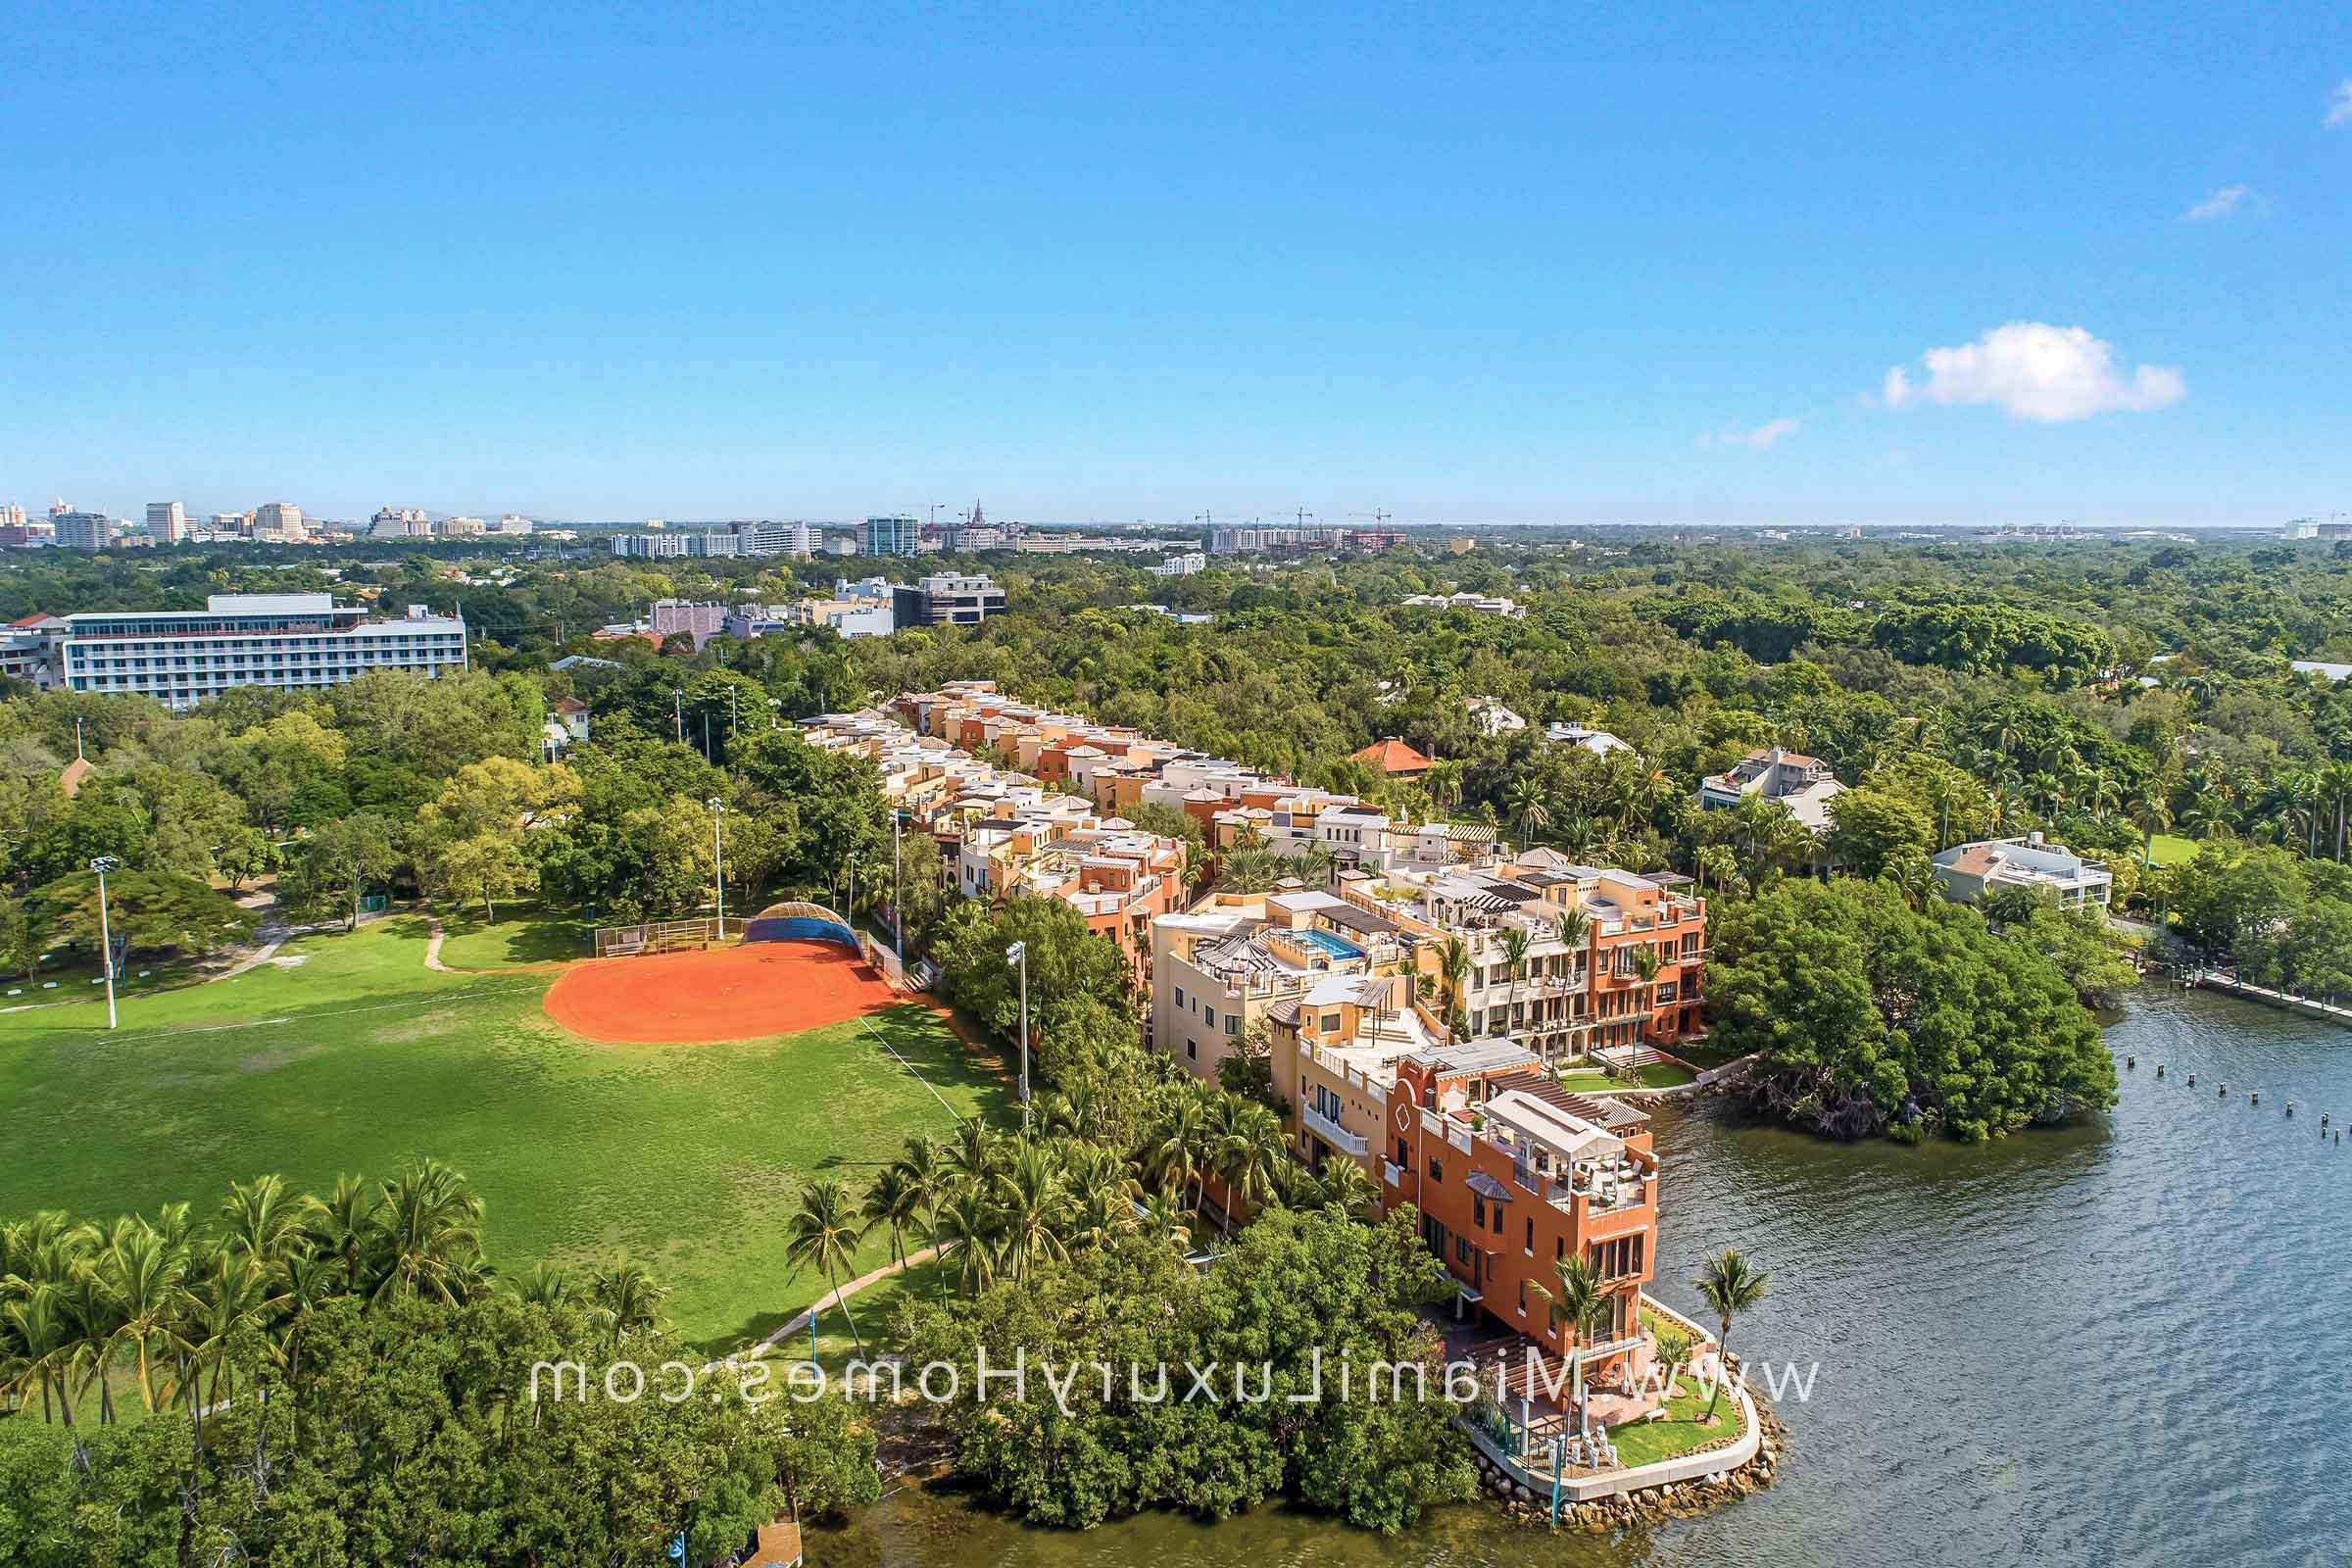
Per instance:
(2220,203)
(2031,371)
(1762,436)
(2339,106)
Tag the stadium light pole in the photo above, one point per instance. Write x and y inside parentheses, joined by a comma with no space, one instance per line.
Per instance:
(897,917)
(677,709)
(1019,956)
(775,713)
(718,863)
(106,936)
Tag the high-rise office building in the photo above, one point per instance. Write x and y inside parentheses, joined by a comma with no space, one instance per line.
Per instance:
(167,522)
(277,523)
(893,536)
(83,530)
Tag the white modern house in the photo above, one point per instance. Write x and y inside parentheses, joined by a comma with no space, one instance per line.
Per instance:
(1802,784)
(1968,873)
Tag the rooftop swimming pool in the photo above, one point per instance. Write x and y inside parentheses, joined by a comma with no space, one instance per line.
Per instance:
(1337,947)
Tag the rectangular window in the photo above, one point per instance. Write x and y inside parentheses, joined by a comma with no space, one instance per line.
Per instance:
(1531,1235)
(1478,1211)
(1437,1170)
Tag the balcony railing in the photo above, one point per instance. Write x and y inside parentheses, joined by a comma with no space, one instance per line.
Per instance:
(1332,1133)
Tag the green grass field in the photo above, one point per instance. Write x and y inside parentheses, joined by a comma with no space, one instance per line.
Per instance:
(346,1054)
(2171,849)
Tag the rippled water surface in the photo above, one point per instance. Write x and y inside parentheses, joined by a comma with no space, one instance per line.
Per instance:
(2113,1343)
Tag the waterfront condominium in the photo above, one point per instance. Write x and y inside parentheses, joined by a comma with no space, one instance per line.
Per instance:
(288,641)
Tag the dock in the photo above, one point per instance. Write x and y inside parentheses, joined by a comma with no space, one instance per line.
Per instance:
(2231,985)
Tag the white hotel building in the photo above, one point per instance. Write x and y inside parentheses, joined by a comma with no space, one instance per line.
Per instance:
(291,641)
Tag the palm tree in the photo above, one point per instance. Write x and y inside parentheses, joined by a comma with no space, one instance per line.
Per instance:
(975,1153)
(141,1272)
(823,1234)
(924,1165)
(969,1222)
(1525,806)
(2151,816)
(1453,971)
(263,1220)
(1515,943)
(625,1296)
(1162,1217)
(1247,1150)
(894,1202)
(1035,1202)
(1172,1157)
(1444,782)
(546,1284)
(230,1290)
(342,1225)
(427,1237)
(1729,1285)
(1581,1304)
(1347,1190)
(40,1342)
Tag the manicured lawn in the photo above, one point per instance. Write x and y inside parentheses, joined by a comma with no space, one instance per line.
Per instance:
(1705,1054)
(346,1054)
(1655,1075)
(2171,849)
(521,935)
(1682,1430)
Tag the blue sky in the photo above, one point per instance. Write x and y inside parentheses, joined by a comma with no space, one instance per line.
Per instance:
(1502,265)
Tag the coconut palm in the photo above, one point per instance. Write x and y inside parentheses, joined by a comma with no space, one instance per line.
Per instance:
(894,1202)
(1453,971)
(227,1291)
(625,1296)
(1515,943)
(976,1153)
(969,1224)
(1581,1305)
(1034,1212)
(426,1243)
(1164,1218)
(142,1271)
(1347,1190)
(41,1341)
(924,1165)
(546,1284)
(1173,1154)
(823,1234)
(1247,1150)
(1729,1285)
(341,1226)
(1527,807)
(263,1220)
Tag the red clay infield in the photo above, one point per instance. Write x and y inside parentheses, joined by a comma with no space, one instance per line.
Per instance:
(763,988)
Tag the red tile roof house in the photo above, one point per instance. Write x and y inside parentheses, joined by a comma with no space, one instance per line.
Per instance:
(1393,758)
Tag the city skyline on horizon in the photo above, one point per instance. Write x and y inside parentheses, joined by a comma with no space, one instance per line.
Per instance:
(2018,268)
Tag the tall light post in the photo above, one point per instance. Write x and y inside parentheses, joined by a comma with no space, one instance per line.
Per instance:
(677,709)
(718,862)
(106,936)
(898,915)
(1019,956)
(775,713)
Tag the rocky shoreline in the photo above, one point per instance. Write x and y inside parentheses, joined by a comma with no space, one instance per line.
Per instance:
(1681,1499)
